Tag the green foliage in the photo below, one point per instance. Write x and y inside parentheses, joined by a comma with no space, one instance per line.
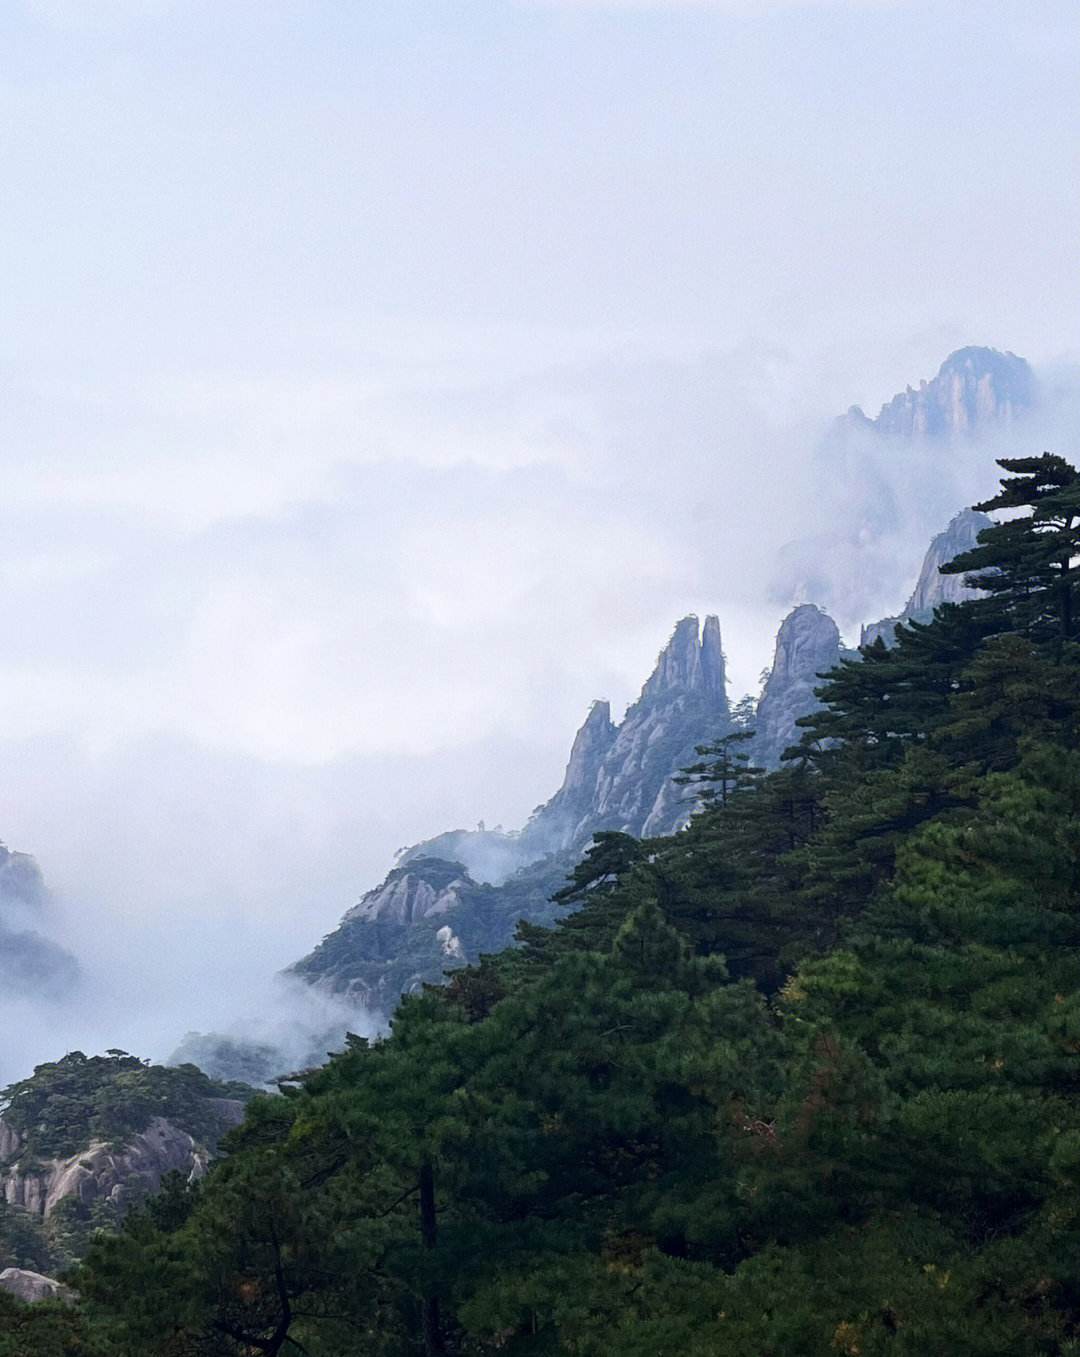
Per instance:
(66,1104)
(802,1080)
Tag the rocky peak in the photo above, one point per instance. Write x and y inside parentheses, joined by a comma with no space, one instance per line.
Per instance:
(975,388)
(807,645)
(807,636)
(690,662)
(30,963)
(932,587)
(591,743)
(420,889)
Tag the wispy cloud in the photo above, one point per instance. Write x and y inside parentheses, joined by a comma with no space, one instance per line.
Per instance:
(736,7)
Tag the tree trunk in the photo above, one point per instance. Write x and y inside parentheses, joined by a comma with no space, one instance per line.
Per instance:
(429,1233)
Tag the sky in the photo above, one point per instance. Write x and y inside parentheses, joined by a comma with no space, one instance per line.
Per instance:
(380,382)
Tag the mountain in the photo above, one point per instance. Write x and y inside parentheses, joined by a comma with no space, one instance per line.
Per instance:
(975,389)
(878,484)
(617,776)
(932,587)
(807,645)
(30,963)
(451,898)
(83,1139)
(461,894)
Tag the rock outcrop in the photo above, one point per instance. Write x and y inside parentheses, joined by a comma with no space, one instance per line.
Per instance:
(878,480)
(975,389)
(621,777)
(428,917)
(807,645)
(933,588)
(102,1172)
(31,1287)
(21,879)
(432,914)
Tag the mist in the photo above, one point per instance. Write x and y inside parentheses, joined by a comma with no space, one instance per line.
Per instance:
(379,385)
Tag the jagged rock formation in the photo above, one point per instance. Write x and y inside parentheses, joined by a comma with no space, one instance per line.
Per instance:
(30,963)
(617,777)
(876,481)
(807,645)
(976,388)
(30,1287)
(933,588)
(101,1172)
(621,777)
(431,914)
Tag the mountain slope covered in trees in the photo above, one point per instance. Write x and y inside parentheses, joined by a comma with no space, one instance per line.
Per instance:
(800,1079)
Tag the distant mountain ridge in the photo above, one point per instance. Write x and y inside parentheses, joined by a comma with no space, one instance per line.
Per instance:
(975,388)
(454,896)
(436,909)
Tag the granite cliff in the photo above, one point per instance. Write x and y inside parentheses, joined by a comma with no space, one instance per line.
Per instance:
(975,389)
(440,907)
(879,483)
(84,1138)
(807,646)
(932,587)
(460,894)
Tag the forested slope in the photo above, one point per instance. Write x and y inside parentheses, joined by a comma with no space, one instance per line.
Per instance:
(800,1079)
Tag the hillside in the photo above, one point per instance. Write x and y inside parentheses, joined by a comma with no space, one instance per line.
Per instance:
(799,1078)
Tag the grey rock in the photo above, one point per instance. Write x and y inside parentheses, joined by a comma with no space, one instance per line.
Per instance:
(407,896)
(30,963)
(31,1287)
(933,588)
(10,1142)
(433,912)
(870,472)
(101,1172)
(807,646)
(621,777)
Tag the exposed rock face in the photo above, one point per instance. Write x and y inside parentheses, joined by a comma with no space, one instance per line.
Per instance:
(30,1286)
(933,588)
(431,914)
(975,388)
(427,918)
(558,819)
(617,777)
(409,895)
(621,777)
(876,481)
(100,1172)
(807,645)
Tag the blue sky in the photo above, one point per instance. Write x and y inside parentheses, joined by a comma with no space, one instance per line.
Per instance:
(380,380)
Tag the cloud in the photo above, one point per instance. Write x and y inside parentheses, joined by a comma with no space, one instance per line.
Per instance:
(747,8)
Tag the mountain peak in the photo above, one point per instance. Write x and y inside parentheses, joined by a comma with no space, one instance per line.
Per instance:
(975,388)
(692,661)
(807,645)
(932,587)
